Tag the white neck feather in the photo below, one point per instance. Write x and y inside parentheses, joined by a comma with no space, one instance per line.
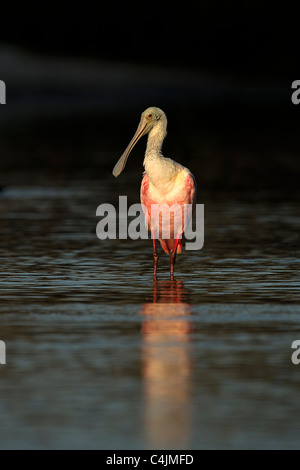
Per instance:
(155,140)
(159,169)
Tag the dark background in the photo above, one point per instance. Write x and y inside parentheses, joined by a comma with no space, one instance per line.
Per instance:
(250,40)
(77,80)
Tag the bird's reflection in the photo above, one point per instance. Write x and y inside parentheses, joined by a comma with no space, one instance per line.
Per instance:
(167,366)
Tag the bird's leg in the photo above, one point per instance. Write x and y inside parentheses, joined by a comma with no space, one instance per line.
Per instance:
(172,263)
(155,255)
(173,257)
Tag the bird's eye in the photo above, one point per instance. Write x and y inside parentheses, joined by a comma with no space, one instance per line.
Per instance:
(149,115)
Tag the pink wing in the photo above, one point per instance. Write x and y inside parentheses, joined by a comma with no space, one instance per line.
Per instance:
(144,197)
(191,186)
(187,195)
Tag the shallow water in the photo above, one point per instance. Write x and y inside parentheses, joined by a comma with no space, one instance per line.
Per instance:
(100,356)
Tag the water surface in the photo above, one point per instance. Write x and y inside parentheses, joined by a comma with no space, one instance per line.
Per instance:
(100,356)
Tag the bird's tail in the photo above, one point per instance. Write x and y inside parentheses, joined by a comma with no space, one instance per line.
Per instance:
(167,245)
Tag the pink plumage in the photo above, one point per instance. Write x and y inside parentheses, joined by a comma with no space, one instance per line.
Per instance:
(186,194)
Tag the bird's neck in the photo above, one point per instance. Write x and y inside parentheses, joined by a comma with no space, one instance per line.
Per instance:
(155,140)
(160,170)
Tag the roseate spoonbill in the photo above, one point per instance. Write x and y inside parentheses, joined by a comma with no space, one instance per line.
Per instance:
(165,182)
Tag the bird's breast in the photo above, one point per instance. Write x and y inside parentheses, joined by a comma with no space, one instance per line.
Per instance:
(167,188)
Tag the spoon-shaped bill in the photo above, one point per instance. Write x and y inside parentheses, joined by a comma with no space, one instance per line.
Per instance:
(142,129)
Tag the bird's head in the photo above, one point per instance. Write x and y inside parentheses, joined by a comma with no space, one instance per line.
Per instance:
(149,120)
(152,115)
